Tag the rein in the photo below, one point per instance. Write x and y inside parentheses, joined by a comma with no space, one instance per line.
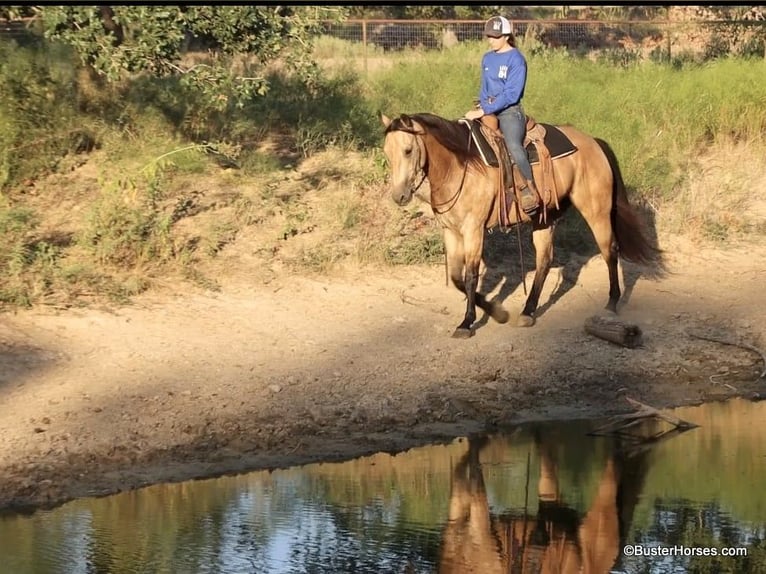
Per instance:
(453,200)
(422,179)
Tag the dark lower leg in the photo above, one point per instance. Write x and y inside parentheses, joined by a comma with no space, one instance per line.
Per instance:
(494,310)
(614,284)
(534,294)
(469,288)
(542,238)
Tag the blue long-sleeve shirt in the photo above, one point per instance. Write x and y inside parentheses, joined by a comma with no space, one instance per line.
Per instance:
(503,78)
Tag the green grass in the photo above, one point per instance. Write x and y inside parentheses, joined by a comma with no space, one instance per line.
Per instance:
(655,116)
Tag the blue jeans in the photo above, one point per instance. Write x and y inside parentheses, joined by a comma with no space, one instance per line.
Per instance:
(513,124)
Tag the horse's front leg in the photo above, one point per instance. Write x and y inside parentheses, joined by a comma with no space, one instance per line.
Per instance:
(471,276)
(456,267)
(464,259)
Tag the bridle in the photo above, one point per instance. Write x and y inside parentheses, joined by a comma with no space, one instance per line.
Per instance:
(452,200)
(422,165)
(422,179)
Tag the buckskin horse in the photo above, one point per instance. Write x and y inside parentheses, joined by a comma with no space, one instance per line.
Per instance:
(465,201)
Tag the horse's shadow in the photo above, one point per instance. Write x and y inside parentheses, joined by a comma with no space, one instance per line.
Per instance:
(510,255)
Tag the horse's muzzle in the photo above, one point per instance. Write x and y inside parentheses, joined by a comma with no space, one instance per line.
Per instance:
(401,195)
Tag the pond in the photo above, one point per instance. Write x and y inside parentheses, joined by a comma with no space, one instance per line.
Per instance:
(543,497)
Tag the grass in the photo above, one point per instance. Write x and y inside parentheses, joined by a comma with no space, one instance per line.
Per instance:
(165,186)
(654,115)
(719,199)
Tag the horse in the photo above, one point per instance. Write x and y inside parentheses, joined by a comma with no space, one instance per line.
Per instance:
(425,146)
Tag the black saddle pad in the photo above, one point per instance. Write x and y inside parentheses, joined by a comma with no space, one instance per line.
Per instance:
(557,143)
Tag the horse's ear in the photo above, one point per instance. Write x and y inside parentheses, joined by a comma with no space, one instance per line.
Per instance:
(385,119)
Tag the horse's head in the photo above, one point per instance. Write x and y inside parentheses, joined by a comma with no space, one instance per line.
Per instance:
(406,154)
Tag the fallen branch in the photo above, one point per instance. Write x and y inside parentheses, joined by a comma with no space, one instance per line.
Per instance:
(409,300)
(733,344)
(647,410)
(622,422)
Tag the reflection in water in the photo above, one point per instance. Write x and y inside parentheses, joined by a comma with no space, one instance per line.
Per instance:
(555,539)
(542,498)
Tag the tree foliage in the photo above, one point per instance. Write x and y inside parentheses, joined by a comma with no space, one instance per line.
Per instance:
(426,12)
(238,42)
(483,11)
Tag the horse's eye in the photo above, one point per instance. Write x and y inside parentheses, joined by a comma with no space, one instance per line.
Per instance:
(407,151)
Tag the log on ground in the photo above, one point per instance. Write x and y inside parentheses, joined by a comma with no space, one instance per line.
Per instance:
(614,330)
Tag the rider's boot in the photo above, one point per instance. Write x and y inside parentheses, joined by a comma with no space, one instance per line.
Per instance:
(530,198)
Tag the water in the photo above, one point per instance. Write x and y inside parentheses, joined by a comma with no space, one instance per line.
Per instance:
(546,495)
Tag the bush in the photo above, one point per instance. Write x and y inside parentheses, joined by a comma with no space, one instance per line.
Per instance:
(38,119)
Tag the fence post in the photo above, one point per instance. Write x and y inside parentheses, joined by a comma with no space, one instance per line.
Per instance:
(670,34)
(670,43)
(364,44)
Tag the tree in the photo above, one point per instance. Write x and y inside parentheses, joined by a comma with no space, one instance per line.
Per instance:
(117,41)
(742,30)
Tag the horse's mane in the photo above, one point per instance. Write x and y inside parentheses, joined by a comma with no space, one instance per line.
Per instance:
(453,135)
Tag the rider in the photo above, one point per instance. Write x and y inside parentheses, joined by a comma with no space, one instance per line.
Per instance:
(503,79)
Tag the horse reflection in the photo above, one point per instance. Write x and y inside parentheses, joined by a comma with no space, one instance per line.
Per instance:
(556,540)
(470,542)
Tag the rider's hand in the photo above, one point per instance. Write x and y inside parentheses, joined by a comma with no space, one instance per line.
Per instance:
(474,114)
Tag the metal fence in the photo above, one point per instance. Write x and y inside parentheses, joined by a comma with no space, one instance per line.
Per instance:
(15,30)
(639,39)
(632,39)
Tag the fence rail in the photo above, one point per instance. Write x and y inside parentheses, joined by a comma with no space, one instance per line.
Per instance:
(14,29)
(655,38)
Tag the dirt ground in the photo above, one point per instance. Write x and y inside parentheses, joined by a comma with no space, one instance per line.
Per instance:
(276,372)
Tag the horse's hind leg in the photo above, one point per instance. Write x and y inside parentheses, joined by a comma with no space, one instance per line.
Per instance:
(542,238)
(607,244)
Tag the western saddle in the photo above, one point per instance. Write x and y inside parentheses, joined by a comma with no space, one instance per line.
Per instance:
(508,191)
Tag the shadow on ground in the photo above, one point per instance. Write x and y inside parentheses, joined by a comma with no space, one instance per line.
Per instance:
(510,256)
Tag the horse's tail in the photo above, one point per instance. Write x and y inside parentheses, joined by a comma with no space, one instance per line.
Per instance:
(628,227)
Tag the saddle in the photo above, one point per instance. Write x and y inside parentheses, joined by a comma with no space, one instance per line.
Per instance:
(491,143)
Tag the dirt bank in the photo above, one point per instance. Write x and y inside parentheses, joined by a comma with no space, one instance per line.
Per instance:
(180,385)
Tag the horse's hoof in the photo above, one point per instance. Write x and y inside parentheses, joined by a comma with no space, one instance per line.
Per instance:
(525,320)
(499,314)
(462,333)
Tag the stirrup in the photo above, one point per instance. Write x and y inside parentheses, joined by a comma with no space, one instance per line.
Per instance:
(528,202)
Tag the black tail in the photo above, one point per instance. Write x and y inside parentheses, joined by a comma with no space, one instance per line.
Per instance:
(628,227)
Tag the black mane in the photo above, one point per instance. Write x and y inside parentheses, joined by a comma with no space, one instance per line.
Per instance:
(453,135)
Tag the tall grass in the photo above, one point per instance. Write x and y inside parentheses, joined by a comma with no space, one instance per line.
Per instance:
(656,116)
